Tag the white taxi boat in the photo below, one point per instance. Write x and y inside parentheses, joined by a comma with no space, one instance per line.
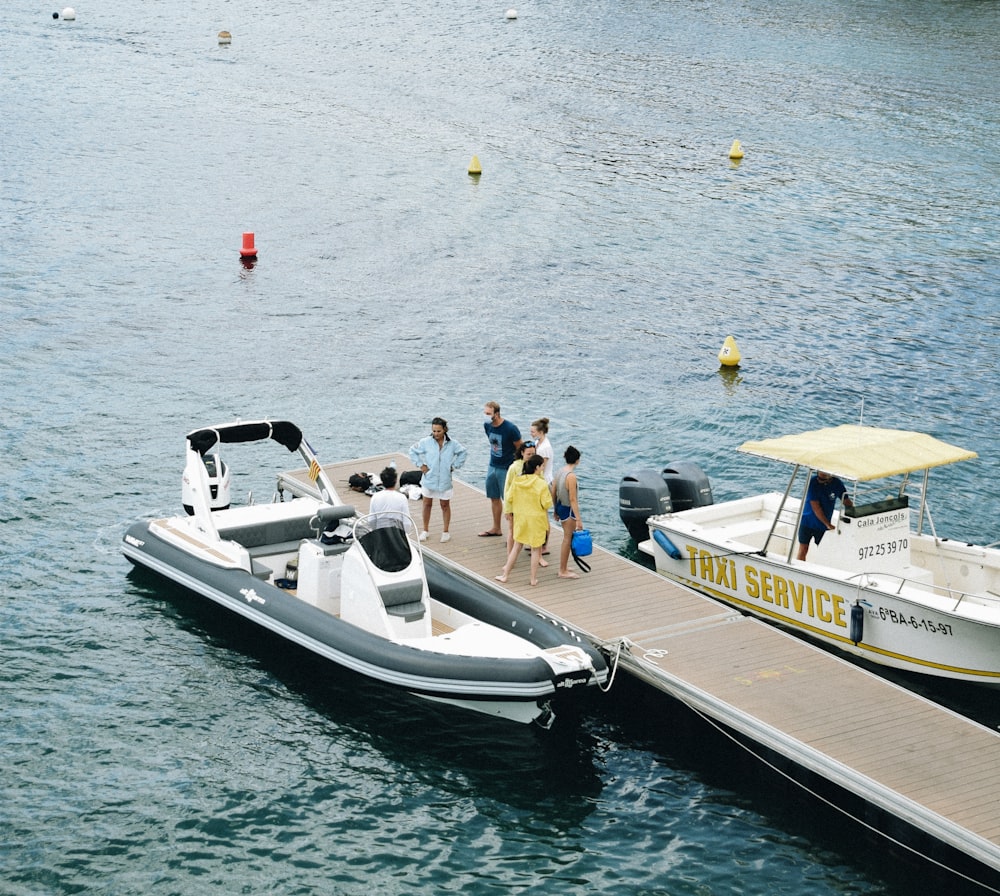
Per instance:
(882,584)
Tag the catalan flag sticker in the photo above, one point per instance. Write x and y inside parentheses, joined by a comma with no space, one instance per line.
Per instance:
(314,470)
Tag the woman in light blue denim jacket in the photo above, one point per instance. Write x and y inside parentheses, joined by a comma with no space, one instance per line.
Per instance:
(436,456)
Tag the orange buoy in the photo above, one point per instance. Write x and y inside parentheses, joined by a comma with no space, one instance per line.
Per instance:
(248,250)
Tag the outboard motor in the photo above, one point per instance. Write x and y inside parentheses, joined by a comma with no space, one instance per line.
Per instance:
(689,486)
(219,481)
(679,486)
(641,495)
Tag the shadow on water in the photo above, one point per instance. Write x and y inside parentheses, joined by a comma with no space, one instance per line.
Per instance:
(516,764)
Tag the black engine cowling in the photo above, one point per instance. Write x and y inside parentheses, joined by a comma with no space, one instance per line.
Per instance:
(678,486)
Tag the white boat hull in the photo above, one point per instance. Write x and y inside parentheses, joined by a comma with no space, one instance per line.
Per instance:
(365,600)
(919,604)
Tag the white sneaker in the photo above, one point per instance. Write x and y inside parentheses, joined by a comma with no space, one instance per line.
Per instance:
(423,536)
(445,536)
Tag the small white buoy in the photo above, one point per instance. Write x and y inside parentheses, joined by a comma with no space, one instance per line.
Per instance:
(511,14)
(729,354)
(225,37)
(69,14)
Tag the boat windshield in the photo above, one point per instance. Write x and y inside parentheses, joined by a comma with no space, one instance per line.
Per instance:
(387,547)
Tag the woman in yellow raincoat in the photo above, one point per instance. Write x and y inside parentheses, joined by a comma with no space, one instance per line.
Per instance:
(530,502)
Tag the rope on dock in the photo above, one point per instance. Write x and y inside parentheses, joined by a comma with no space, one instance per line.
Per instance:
(618,644)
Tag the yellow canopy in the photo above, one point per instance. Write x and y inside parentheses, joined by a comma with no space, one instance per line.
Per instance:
(860,453)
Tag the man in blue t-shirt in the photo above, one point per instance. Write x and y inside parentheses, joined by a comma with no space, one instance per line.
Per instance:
(821,497)
(505,439)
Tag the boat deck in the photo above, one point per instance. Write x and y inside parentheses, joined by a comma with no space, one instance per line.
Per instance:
(914,760)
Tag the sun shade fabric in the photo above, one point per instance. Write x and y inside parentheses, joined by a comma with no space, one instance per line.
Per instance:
(283,432)
(860,453)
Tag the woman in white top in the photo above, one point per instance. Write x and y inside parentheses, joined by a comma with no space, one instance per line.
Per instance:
(543,447)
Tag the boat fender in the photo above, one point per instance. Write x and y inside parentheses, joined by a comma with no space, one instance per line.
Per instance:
(666,544)
(857,623)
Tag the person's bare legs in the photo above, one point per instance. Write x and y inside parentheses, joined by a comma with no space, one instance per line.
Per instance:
(497,514)
(536,556)
(428,504)
(511,560)
(568,525)
(445,514)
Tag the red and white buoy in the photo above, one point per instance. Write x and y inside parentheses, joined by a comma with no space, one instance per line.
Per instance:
(248,250)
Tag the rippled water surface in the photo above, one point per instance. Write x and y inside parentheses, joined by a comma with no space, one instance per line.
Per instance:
(591,274)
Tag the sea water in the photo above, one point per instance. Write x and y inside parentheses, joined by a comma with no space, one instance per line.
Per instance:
(154,745)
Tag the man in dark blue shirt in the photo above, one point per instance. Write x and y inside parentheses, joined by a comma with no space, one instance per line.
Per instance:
(504,439)
(821,497)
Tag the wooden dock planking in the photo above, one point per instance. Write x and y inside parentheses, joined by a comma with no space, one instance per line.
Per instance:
(928,765)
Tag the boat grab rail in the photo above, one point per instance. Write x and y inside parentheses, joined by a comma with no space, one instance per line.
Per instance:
(941,590)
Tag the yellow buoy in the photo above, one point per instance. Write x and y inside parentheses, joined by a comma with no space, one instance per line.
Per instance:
(475,168)
(736,151)
(225,37)
(729,354)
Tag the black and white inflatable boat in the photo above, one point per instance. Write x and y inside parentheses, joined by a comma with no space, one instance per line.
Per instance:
(358,591)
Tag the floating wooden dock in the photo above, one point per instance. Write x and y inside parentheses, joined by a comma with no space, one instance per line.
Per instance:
(915,762)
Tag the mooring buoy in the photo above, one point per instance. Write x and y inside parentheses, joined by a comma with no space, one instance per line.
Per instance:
(729,354)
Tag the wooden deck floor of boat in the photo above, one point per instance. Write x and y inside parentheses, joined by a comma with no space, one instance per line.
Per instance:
(923,763)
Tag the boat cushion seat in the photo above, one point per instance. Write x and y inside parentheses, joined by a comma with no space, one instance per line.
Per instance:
(269,550)
(403,598)
(409,612)
(270,532)
(259,571)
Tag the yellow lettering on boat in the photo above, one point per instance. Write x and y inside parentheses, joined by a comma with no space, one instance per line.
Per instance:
(820,597)
(781,591)
(765,586)
(705,565)
(796,589)
(838,611)
(797,597)
(692,555)
(723,567)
